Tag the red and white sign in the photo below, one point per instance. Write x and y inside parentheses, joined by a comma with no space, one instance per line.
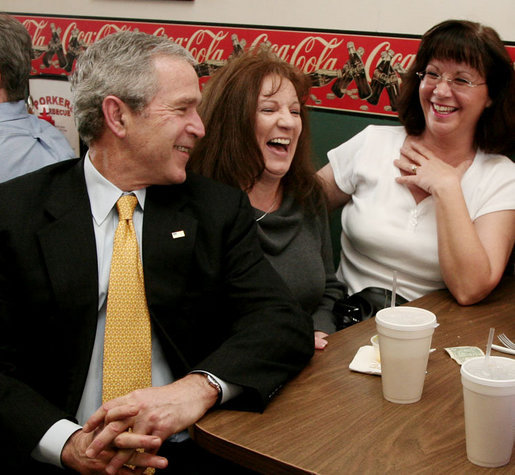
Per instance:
(342,65)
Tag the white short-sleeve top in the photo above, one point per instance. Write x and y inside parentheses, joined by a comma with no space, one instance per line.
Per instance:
(383,229)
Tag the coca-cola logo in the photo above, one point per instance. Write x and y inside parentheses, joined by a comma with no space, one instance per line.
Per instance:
(324,56)
(373,59)
(35,29)
(306,55)
(204,45)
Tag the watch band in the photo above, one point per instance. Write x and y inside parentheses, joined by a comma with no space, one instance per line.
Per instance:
(215,384)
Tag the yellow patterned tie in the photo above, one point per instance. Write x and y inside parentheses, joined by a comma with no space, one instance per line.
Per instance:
(127,339)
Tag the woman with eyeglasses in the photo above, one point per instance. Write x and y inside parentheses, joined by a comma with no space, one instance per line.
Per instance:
(434,199)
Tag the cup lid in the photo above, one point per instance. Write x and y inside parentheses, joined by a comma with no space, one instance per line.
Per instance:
(406,318)
(500,371)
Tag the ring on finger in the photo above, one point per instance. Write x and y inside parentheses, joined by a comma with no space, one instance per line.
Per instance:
(414,169)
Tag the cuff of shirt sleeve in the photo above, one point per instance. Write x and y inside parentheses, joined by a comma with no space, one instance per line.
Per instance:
(51,444)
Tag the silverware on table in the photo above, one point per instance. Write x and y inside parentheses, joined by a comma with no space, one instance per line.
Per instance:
(506,341)
(503,349)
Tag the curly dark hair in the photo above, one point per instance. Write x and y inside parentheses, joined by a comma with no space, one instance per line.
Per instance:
(480,47)
(229,152)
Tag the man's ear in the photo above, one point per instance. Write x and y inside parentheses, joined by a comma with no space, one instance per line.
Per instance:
(115,111)
(3,92)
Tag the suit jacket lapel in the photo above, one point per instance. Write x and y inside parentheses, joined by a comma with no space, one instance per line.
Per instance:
(68,241)
(69,251)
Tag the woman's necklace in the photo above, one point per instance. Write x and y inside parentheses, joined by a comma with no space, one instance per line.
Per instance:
(268,211)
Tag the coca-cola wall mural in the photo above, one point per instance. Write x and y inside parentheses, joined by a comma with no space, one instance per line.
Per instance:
(350,72)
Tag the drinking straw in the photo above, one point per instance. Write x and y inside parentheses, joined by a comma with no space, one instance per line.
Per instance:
(489,344)
(394,287)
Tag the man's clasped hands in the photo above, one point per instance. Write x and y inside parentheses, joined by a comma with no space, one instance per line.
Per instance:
(124,434)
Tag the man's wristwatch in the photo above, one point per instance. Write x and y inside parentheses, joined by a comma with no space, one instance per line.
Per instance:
(214,383)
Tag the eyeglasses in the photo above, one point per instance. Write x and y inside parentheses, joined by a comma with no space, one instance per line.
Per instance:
(433,79)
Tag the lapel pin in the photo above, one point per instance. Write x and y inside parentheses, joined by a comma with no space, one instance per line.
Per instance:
(178,234)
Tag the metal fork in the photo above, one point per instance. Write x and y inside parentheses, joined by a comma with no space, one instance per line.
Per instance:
(506,341)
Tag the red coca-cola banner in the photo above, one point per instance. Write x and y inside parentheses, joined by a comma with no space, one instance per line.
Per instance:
(349,71)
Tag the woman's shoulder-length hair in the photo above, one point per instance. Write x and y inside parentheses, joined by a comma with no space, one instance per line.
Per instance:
(229,152)
(480,47)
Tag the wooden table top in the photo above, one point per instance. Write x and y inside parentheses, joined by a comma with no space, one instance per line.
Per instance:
(331,420)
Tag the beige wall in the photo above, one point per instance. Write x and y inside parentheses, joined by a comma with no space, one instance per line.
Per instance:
(385,16)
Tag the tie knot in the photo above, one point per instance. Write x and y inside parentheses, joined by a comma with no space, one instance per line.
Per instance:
(125,206)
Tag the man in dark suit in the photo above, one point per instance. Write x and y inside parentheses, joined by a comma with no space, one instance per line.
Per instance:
(224,327)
